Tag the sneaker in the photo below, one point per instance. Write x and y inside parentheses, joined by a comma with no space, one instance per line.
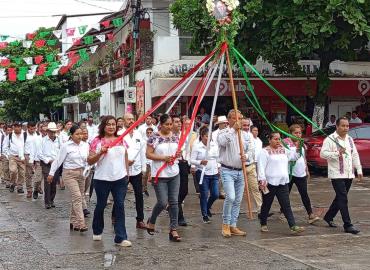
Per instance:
(237,232)
(7,185)
(313,218)
(35,194)
(209,214)
(11,188)
(20,191)
(206,220)
(47,206)
(124,243)
(86,212)
(296,229)
(264,228)
(52,205)
(97,237)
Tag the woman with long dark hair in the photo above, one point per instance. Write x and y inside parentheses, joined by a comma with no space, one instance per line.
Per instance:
(73,155)
(110,176)
(161,149)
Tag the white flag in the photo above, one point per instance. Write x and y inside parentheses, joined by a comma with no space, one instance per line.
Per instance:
(30,76)
(28,60)
(96,26)
(57,33)
(27,43)
(101,38)
(93,48)
(56,71)
(2,74)
(33,69)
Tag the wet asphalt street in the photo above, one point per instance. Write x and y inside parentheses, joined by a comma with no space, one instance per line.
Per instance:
(32,237)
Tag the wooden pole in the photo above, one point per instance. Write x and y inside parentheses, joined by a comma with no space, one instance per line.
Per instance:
(241,147)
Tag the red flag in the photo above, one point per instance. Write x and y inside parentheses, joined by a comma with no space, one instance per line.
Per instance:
(76,41)
(30,36)
(73,60)
(71,54)
(3,45)
(70,31)
(110,36)
(5,62)
(41,70)
(38,59)
(12,74)
(106,23)
(40,43)
(63,70)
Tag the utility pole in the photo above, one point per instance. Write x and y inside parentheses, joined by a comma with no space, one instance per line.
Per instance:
(136,11)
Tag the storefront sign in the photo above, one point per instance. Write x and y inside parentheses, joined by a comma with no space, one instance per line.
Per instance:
(364,87)
(130,94)
(140,93)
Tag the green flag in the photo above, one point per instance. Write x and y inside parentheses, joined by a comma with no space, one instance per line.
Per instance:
(51,42)
(50,57)
(88,40)
(3,37)
(82,29)
(17,60)
(44,34)
(117,22)
(22,71)
(15,43)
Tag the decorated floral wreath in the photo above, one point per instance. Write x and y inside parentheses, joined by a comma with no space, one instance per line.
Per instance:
(222,9)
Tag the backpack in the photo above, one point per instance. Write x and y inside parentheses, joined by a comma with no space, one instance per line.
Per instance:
(10,138)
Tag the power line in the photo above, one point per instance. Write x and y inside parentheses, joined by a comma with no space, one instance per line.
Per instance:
(93,5)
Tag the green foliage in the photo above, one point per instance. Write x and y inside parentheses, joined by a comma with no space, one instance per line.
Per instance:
(286,31)
(25,100)
(89,96)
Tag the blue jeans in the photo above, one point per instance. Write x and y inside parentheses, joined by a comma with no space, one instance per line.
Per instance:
(167,191)
(118,189)
(209,184)
(233,183)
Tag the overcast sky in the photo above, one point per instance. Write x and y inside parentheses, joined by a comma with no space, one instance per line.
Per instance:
(18,17)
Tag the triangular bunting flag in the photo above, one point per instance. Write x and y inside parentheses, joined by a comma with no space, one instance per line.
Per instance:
(76,41)
(51,42)
(17,60)
(41,70)
(27,43)
(71,54)
(33,69)
(101,38)
(70,31)
(96,26)
(117,22)
(57,33)
(110,36)
(88,40)
(50,57)
(106,23)
(40,43)
(14,43)
(4,37)
(56,71)
(38,59)
(82,29)
(30,76)
(12,74)
(44,34)
(28,60)
(30,36)
(22,73)
(3,45)
(5,62)
(2,75)
(93,48)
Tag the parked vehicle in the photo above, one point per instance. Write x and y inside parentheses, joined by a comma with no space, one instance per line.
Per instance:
(361,137)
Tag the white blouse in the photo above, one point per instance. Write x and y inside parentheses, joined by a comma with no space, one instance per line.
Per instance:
(198,154)
(273,165)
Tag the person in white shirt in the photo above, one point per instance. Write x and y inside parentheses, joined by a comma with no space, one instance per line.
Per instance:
(162,150)
(92,128)
(258,145)
(273,178)
(73,156)
(111,176)
(341,153)
(4,156)
(331,122)
(148,123)
(49,151)
(30,137)
(34,160)
(64,134)
(137,166)
(299,171)
(355,119)
(251,166)
(14,149)
(148,175)
(208,162)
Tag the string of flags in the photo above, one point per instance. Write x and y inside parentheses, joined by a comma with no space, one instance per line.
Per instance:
(51,64)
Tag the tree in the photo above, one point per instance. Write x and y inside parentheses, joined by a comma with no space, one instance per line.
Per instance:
(285,31)
(25,100)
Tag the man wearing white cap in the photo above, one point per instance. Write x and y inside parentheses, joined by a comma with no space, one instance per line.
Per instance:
(49,150)
(222,123)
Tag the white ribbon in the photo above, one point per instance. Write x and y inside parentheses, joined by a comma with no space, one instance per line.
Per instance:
(212,115)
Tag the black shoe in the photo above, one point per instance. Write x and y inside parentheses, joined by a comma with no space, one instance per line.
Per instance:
(209,214)
(183,223)
(35,194)
(52,205)
(352,230)
(20,191)
(206,220)
(11,188)
(86,212)
(7,185)
(270,214)
(146,193)
(47,206)
(331,223)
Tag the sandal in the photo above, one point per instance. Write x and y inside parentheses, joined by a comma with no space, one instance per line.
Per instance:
(174,238)
(148,229)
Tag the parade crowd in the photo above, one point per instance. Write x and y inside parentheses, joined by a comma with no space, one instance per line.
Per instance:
(82,158)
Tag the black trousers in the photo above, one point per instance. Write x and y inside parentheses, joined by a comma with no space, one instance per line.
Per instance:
(301,183)
(282,194)
(340,202)
(50,189)
(184,186)
(137,184)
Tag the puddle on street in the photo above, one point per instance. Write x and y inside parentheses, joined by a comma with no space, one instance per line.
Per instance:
(109,260)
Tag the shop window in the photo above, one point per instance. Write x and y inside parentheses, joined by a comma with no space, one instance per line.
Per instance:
(363,133)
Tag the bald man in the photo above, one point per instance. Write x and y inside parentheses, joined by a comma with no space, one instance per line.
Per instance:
(137,165)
